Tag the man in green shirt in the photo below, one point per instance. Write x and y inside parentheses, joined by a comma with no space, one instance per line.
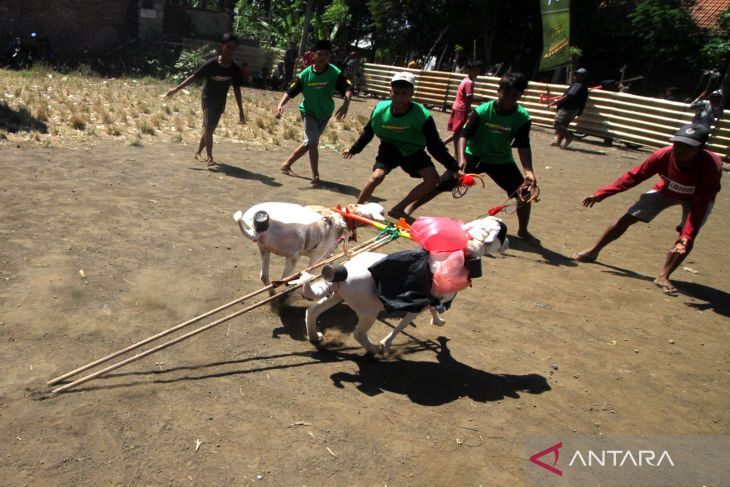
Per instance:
(405,129)
(318,83)
(485,146)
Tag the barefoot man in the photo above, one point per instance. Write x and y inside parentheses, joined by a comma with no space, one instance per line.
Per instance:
(485,146)
(218,75)
(690,177)
(405,129)
(318,83)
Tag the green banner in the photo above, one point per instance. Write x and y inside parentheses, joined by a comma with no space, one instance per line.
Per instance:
(555,34)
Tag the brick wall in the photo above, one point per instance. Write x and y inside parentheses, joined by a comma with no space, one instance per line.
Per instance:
(73,26)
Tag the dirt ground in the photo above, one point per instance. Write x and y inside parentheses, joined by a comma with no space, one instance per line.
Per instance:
(106,244)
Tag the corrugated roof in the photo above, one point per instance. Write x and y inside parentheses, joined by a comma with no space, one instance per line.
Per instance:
(706,12)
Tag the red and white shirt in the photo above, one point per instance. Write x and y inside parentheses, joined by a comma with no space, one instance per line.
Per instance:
(464,95)
(699,184)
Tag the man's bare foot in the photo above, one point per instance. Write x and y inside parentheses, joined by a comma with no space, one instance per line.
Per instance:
(555,143)
(568,141)
(585,256)
(198,157)
(315,180)
(666,286)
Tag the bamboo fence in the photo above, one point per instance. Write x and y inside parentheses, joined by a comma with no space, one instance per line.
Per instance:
(632,119)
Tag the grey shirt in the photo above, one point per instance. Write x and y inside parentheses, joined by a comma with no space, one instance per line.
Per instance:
(706,114)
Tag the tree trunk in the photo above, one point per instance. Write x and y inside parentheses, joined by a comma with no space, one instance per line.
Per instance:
(489,37)
(306,27)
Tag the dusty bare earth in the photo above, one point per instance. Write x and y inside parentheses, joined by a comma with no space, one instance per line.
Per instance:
(539,345)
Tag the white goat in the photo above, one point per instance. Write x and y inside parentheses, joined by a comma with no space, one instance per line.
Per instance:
(292,230)
(487,236)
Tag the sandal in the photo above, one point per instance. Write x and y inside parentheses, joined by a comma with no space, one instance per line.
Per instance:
(668,289)
(316,180)
(287,170)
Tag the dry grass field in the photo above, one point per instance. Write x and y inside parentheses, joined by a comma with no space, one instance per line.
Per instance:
(110,232)
(79,108)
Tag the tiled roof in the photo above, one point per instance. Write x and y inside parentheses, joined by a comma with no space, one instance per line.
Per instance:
(706,12)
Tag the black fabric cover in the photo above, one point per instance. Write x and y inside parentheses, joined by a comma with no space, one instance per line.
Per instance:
(403,280)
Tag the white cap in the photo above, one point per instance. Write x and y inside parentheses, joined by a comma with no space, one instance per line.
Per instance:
(405,77)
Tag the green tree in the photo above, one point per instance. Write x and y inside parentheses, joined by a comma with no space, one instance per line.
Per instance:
(333,18)
(666,32)
(715,54)
(274,21)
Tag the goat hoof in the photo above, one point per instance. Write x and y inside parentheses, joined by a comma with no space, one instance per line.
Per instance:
(372,351)
(317,339)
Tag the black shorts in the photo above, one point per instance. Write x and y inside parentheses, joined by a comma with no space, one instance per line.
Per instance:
(507,176)
(212,113)
(389,157)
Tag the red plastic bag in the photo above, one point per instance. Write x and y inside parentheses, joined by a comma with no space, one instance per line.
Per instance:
(439,234)
(449,273)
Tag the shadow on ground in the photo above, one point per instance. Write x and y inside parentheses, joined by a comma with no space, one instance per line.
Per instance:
(584,150)
(435,383)
(19,120)
(424,382)
(344,189)
(240,173)
(340,318)
(549,256)
(714,299)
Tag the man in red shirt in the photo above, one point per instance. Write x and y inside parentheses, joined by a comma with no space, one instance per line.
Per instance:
(690,177)
(462,103)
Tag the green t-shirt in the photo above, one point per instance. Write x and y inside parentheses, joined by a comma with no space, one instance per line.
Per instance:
(318,89)
(403,131)
(492,142)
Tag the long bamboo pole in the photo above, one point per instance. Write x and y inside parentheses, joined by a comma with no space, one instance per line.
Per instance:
(202,316)
(374,245)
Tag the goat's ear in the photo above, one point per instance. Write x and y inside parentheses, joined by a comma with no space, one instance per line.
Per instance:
(334,220)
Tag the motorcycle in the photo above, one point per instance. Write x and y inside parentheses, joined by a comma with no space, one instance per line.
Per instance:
(22,55)
(18,55)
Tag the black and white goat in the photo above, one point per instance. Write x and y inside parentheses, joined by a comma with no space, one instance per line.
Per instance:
(359,289)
